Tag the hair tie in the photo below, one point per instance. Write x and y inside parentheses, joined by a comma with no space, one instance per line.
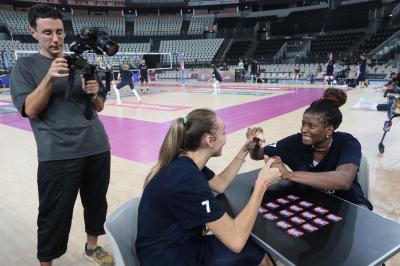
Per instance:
(185,120)
(331,99)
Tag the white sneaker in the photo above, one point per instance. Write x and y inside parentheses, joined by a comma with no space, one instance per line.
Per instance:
(364,104)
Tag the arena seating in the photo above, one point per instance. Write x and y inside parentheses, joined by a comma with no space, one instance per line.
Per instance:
(266,50)
(158,33)
(15,21)
(226,26)
(199,23)
(377,39)
(237,51)
(158,25)
(115,26)
(198,50)
(338,43)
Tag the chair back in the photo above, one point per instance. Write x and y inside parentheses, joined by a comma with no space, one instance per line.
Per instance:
(363,176)
(121,229)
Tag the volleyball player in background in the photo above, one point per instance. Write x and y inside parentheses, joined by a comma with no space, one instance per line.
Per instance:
(144,75)
(216,78)
(125,77)
(330,69)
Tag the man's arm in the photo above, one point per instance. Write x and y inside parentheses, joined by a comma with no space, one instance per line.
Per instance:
(37,100)
(92,87)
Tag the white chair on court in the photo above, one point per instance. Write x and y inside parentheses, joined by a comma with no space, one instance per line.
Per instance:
(363,176)
(121,229)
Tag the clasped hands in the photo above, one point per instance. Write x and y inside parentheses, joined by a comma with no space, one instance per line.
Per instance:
(274,169)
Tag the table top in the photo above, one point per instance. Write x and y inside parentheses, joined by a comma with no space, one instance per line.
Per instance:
(360,238)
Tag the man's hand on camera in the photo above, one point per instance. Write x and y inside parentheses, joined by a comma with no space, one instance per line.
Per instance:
(58,69)
(91,87)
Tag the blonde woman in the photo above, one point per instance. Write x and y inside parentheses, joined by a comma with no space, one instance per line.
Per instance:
(178,203)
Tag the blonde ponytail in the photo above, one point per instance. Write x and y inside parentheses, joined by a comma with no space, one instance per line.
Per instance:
(185,134)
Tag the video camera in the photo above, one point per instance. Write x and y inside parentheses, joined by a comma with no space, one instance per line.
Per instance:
(92,40)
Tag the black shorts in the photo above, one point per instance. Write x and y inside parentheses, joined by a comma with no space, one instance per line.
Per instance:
(144,78)
(215,253)
(58,186)
(361,76)
(123,84)
(329,73)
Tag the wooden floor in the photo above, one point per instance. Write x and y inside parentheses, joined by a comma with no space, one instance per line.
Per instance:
(18,160)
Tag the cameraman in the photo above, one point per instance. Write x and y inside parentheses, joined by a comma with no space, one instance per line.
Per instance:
(73,152)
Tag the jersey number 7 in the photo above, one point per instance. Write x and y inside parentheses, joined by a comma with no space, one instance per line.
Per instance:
(207,204)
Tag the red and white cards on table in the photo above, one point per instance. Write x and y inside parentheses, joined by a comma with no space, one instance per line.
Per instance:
(296,216)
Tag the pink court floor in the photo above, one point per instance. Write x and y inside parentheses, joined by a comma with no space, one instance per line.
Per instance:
(129,137)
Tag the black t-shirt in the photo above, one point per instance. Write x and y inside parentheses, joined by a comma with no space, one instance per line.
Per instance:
(143,70)
(217,75)
(175,206)
(363,66)
(299,157)
(254,68)
(329,67)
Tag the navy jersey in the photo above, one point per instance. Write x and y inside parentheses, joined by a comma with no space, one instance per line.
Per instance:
(299,157)
(143,70)
(217,75)
(363,66)
(126,76)
(175,206)
(254,68)
(329,67)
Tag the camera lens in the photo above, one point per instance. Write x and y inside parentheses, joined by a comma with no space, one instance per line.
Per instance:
(111,48)
(108,46)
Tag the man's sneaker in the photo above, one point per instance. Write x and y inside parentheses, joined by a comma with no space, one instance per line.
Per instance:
(99,256)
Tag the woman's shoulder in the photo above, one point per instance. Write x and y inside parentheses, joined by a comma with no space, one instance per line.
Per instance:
(182,163)
(345,139)
(180,170)
(292,139)
(344,136)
